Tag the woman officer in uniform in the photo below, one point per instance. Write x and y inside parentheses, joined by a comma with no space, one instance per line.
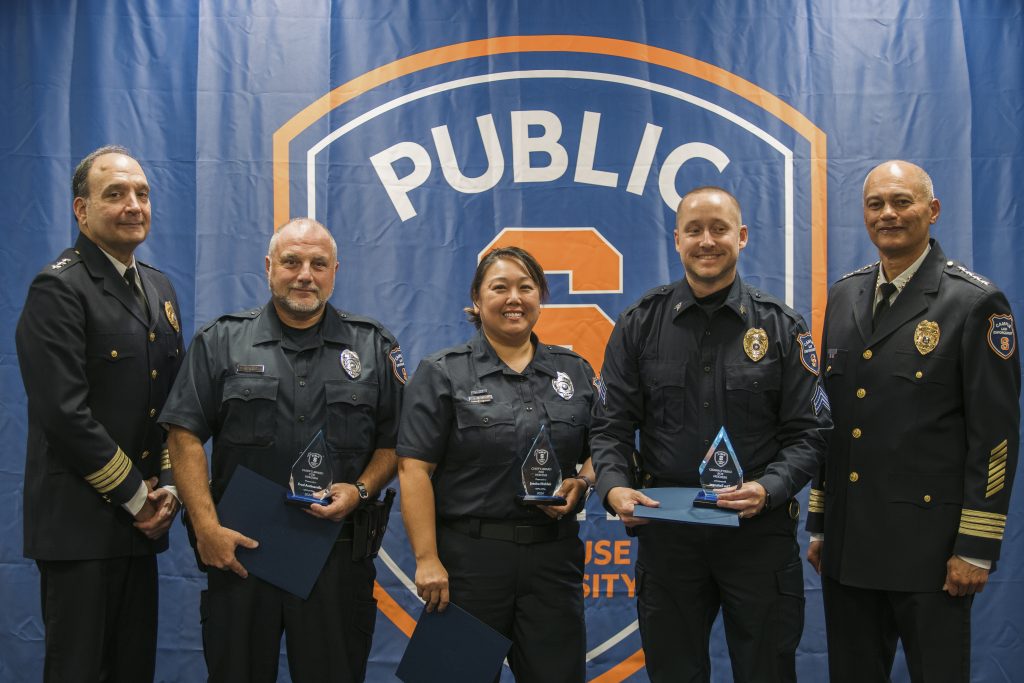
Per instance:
(470,414)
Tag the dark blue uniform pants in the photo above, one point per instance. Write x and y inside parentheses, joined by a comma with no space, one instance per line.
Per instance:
(863,626)
(531,594)
(686,573)
(328,636)
(100,618)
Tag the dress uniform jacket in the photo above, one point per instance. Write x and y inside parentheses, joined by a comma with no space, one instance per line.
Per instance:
(678,377)
(96,371)
(263,408)
(475,418)
(922,459)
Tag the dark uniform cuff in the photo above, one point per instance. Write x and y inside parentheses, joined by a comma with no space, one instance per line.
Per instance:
(118,480)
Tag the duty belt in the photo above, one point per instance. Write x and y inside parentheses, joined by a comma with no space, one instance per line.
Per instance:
(514,531)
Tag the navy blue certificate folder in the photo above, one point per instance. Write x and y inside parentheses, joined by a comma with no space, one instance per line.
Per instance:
(293,544)
(677,506)
(452,645)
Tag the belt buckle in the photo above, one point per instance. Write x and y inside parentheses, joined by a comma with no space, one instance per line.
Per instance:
(522,534)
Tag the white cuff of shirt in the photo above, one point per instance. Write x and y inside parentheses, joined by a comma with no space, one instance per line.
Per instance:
(136,502)
(984,564)
(173,490)
(817,536)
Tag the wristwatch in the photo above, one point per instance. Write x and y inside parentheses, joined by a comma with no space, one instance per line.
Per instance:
(361,488)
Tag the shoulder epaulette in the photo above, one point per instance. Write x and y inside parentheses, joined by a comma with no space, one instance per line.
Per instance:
(146,265)
(862,269)
(69,257)
(650,294)
(246,314)
(960,271)
(561,350)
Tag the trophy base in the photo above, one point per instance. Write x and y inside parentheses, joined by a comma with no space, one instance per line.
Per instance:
(524,499)
(305,501)
(705,499)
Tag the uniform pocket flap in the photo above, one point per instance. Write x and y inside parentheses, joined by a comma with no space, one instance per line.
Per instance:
(926,490)
(573,413)
(352,393)
(248,388)
(483,414)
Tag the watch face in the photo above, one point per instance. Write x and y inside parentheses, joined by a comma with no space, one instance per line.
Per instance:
(362,490)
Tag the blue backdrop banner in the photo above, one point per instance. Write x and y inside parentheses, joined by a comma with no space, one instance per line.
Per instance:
(422,133)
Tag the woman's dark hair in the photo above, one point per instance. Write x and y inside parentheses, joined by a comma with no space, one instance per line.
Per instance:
(520,256)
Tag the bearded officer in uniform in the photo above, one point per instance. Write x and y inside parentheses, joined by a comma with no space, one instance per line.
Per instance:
(909,512)
(262,383)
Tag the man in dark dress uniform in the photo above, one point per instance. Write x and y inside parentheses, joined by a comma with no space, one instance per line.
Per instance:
(262,383)
(687,359)
(909,512)
(99,345)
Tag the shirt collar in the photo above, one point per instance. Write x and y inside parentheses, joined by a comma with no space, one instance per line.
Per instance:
(121,268)
(268,325)
(683,298)
(901,280)
(487,362)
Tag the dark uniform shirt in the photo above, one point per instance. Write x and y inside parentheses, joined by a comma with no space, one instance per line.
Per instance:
(96,369)
(922,460)
(678,374)
(475,418)
(263,394)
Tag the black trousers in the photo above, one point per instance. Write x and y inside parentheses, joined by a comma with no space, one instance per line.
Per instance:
(100,618)
(863,625)
(532,594)
(686,573)
(328,636)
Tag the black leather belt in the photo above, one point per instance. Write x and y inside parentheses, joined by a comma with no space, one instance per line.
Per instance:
(513,531)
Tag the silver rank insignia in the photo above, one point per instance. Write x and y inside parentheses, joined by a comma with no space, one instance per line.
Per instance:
(926,337)
(351,363)
(755,343)
(60,264)
(171,318)
(563,386)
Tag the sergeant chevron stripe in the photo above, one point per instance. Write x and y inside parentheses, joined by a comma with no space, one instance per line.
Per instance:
(111,475)
(816,502)
(982,524)
(996,470)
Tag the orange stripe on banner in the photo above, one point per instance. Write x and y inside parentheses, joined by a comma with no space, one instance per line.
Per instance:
(623,669)
(393,611)
(592,45)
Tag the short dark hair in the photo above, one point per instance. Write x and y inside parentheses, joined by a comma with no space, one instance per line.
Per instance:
(520,256)
(80,179)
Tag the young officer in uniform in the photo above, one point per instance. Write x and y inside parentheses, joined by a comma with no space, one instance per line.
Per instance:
(688,358)
(471,415)
(99,345)
(924,377)
(262,383)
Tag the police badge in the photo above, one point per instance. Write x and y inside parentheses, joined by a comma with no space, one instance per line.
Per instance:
(755,343)
(312,475)
(351,363)
(563,386)
(926,337)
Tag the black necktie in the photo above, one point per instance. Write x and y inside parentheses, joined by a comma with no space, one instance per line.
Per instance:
(130,277)
(887,289)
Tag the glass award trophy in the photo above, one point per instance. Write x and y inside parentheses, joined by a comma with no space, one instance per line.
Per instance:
(719,470)
(312,475)
(542,477)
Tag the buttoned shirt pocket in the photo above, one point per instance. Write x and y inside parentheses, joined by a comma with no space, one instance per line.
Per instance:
(249,410)
(569,421)
(752,396)
(351,407)
(487,434)
(664,385)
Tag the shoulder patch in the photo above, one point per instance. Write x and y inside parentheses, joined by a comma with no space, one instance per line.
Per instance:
(398,364)
(862,269)
(1002,337)
(808,353)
